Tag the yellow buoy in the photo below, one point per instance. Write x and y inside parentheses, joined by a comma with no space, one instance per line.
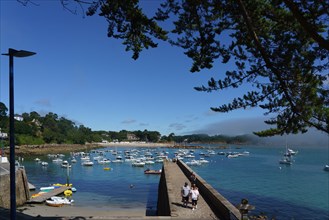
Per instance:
(68,192)
(107,168)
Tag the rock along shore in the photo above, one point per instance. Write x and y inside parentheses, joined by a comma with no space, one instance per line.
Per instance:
(66,148)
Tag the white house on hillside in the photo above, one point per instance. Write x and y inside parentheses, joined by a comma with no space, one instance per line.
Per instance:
(18,117)
(3,135)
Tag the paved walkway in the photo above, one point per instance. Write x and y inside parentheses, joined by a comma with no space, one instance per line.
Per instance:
(175,180)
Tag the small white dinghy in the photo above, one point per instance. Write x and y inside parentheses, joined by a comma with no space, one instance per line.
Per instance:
(56,201)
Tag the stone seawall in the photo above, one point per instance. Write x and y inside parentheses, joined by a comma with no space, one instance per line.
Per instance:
(22,189)
(163,205)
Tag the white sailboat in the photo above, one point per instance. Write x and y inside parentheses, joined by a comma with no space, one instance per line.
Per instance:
(292,152)
(326,167)
(287,157)
(286,160)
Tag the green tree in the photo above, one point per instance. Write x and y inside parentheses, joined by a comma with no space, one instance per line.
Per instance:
(76,137)
(153,136)
(34,116)
(28,140)
(279,48)
(65,125)
(4,121)
(50,122)
(140,135)
(171,137)
(143,136)
(86,133)
(26,117)
(3,109)
(49,136)
(22,127)
(122,135)
(97,137)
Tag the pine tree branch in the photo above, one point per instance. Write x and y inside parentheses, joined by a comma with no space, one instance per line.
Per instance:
(310,30)
(266,58)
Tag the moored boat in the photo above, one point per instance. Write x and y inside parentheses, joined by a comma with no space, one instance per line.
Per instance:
(104,161)
(57,160)
(138,164)
(88,163)
(44,163)
(202,160)
(60,184)
(287,156)
(65,164)
(286,160)
(291,151)
(193,162)
(233,155)
(148,171)
(56,201)
(48,188)
(326,167)
(53,203)
(118,159)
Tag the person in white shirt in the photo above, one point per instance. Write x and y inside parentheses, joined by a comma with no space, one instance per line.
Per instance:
(185,192)
(194,192)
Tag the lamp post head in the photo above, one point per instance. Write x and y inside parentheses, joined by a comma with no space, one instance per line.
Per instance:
(18,53)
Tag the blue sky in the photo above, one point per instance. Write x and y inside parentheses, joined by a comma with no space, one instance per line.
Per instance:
(81,74)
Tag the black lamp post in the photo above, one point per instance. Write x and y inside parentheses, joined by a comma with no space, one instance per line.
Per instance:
(13,53)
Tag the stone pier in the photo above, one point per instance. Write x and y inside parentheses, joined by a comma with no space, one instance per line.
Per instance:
(211,204)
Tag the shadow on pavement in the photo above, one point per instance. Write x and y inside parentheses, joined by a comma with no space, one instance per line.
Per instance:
(5,215)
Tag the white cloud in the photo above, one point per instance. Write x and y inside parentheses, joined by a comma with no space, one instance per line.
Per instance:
(177,126)
(191,118)
(128,121)
(43,102)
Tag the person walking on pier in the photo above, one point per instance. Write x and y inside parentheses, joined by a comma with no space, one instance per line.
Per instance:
(192,179)
(194,192)
(185,192)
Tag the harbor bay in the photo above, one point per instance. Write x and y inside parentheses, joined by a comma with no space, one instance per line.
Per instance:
(298,191)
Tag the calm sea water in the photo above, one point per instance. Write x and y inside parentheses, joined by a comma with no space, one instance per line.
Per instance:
(299,191)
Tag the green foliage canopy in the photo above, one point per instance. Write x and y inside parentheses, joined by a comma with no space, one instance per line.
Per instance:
(35,129)
(280,48)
